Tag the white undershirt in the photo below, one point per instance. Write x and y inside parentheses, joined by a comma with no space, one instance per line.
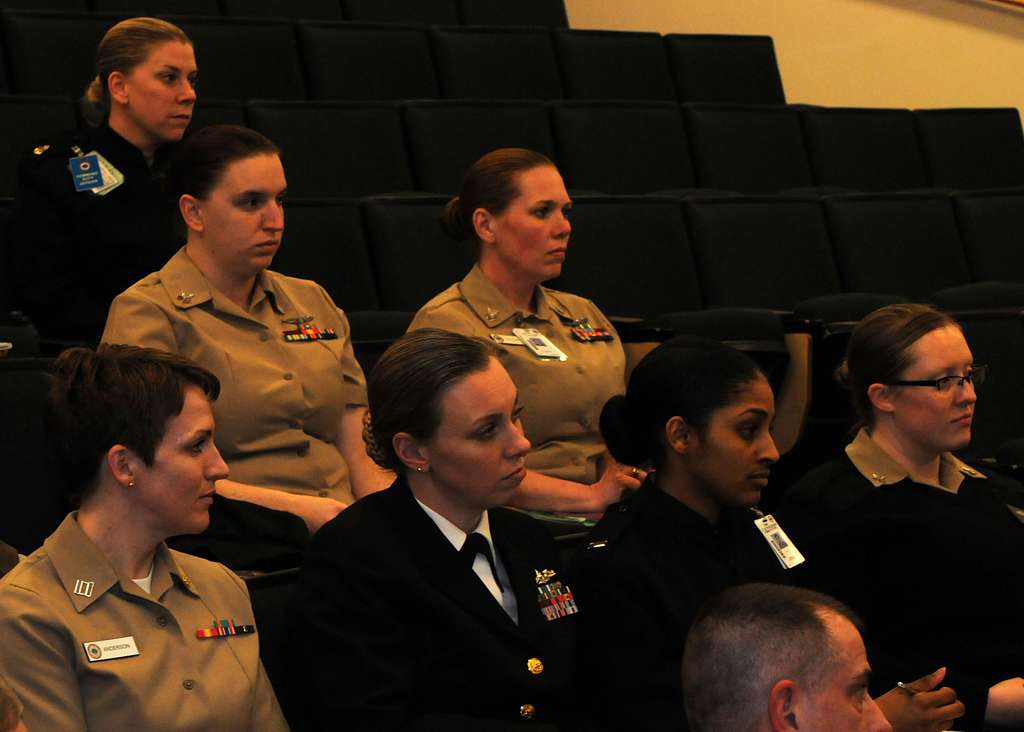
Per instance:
(145,582)
(481,566)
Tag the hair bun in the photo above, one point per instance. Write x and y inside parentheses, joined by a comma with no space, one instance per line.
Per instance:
(842,375)
(620,434)
(452,220)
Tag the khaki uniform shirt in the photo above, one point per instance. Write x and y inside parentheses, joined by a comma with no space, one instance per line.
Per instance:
(67,595)
(877,465)
(281,402)
(562,400)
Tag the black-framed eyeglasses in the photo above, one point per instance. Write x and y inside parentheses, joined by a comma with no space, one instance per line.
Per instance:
(975,377)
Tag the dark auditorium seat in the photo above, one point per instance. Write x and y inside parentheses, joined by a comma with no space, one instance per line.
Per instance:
(724,68)
(413,258)
(748,148)
(864,149)
(324,242)
(77,6)
(336,149)
(996,339)
(547,13)
(310,9)
(5,84)
(761,252)
(271,594)
(991,224)
(34,503)
(446,137)
(52,52)
(613,65)
(245,58)
(622,147)
(217,112)
(909,245)
(972,148)
(157,7)
(630,255)
(433,12)
(367,62)
(490,62)
(25,122)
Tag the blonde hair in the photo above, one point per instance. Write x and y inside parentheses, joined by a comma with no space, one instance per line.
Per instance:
(124,46)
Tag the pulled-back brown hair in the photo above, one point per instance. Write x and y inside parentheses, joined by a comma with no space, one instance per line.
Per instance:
(116,395)
(404,389)
(490,184)
(123,47)
(201,160)
(879,349)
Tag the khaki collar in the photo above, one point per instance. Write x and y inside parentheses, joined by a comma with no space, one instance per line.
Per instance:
(187,287)
(880,468)
(87,574)
(494,309)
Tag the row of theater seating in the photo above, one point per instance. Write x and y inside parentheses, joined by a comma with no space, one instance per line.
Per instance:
(53,53)
(742,269)
(342,149)
(758,272)
(645,256)
(549,13)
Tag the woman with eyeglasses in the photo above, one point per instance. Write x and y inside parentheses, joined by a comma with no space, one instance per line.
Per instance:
(927,548)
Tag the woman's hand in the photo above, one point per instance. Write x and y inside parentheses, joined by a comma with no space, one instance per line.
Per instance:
(928,710)
(616,478)
(1006,703)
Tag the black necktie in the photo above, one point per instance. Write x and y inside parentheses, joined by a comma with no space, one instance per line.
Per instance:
(477,544)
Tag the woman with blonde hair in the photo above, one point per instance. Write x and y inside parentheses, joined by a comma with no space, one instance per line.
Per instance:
(90,216)
(560,349)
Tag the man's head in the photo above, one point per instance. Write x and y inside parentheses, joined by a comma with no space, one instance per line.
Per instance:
(769,657)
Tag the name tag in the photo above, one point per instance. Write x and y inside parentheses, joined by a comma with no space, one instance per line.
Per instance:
(105,650)
(781,544)
(539,344)
(86,172)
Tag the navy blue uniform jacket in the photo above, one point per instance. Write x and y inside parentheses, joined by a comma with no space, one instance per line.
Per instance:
(395,631)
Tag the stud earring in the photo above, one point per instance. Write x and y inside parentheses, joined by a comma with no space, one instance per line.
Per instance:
(131,484)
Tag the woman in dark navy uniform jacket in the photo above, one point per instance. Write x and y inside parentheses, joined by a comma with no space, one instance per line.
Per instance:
(74,250)
(426,606)
(701,414)
(927,548)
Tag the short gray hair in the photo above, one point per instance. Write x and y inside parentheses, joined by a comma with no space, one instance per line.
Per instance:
(747,638)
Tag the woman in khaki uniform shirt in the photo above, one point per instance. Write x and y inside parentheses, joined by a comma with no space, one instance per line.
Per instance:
(104,627)
(513,202)
(290,416)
